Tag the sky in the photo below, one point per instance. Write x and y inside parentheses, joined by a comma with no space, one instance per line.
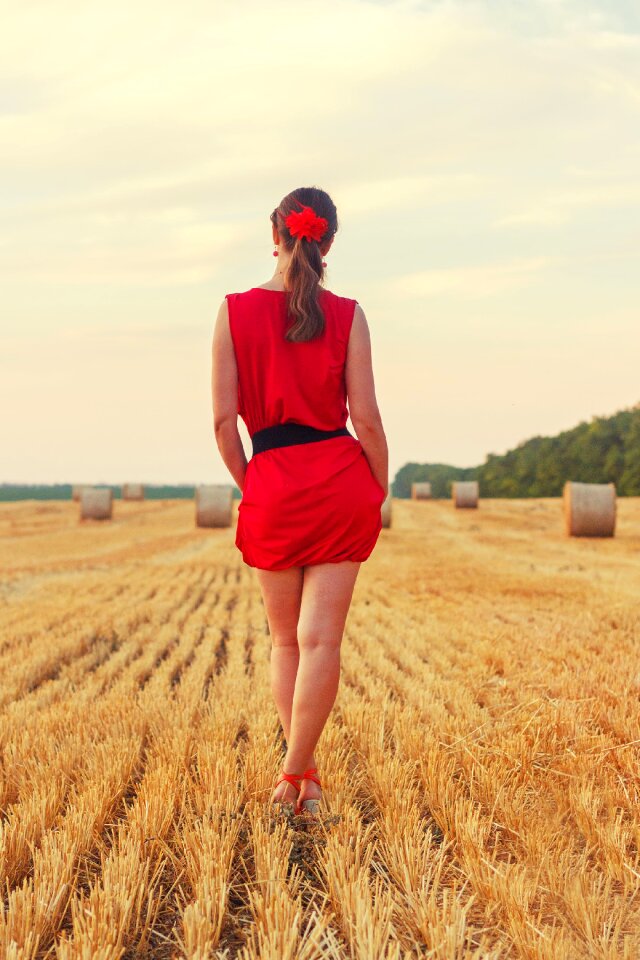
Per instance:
(483,157)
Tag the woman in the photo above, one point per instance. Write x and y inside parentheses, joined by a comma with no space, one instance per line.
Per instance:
(287,357)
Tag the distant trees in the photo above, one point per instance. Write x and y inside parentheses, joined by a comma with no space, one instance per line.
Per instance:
(606,450)
(439,475)
(62,491)
(630,469)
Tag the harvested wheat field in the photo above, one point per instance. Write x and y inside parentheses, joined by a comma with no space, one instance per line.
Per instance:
(481,770)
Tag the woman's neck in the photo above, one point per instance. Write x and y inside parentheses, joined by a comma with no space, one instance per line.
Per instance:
(277,280)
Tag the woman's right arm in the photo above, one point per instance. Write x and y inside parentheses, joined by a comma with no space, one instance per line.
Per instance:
(361,399)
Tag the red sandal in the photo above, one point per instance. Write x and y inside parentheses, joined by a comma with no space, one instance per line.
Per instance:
(294,779)
(312,803)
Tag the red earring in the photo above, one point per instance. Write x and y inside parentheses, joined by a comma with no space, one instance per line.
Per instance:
(275,253)
(324,263)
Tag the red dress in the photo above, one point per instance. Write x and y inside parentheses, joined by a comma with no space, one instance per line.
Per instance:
(305,503)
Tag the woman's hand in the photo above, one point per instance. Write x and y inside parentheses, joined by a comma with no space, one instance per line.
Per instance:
(384,486)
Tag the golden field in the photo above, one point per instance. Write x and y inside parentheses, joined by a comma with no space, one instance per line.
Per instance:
(481,765)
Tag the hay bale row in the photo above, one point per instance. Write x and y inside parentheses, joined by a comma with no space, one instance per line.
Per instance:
(96,503)
(589,508)
(465,493)
(213,503)
(130,491)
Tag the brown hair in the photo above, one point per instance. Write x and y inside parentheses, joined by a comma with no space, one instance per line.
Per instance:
(305,270)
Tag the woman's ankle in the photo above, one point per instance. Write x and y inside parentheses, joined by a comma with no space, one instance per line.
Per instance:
(298,766)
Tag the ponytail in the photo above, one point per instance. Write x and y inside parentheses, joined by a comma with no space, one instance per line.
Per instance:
(305,271)
(303,276)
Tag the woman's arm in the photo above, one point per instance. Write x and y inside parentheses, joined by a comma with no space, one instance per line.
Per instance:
(224,395)
(361,399)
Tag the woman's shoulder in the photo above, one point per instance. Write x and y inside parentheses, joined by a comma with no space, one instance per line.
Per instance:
(248,300)
(342,311)
(339,300)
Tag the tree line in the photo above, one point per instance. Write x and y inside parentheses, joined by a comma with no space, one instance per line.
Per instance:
(604,450)
(62,491)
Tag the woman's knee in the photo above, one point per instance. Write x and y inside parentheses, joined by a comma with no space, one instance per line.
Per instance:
(314,638)
(285,638)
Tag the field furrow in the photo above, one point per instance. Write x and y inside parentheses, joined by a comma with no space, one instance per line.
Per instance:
(480,766)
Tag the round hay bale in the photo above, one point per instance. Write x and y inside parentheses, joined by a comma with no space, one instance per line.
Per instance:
(132,491)
(76,490)
(421,491)
(465,493)
(213,505)
(96,503)
(589,509)
(385,510)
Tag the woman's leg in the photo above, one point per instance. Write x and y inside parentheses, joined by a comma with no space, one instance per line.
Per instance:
(326,596)
(281,595)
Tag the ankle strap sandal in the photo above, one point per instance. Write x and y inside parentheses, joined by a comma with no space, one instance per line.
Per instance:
(294,779)
(313,803)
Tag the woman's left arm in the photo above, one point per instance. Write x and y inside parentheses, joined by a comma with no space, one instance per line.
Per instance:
(224,395)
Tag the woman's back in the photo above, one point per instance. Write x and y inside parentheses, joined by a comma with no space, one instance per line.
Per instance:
(281,381)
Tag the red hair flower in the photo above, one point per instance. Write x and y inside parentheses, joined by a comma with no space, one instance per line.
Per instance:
(306,223)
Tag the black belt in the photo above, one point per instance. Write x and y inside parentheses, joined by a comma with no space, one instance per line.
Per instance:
(288,434)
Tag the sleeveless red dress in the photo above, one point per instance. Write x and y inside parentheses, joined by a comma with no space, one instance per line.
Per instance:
(306,503)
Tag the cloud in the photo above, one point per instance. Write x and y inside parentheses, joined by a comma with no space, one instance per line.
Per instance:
(536,215)
(130,140)
(143,146)
(469,282)
(364,196)
(561,207)
(154,251)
